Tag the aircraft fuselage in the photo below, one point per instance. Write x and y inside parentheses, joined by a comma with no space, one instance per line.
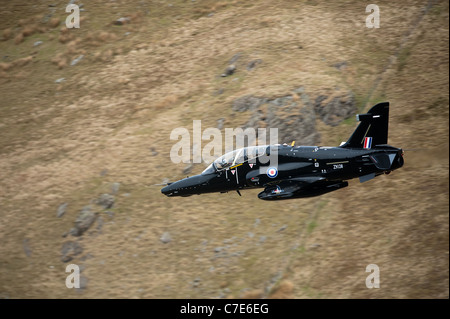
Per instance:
(302,171)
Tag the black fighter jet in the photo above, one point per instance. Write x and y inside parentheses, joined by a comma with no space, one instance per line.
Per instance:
(300,171)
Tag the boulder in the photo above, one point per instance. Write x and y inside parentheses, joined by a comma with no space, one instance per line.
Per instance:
(84,220)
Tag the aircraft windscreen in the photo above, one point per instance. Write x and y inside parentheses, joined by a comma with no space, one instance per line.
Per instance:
(209,170)
(239,156)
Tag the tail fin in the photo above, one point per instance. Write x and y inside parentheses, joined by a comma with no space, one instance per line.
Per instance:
(373,129)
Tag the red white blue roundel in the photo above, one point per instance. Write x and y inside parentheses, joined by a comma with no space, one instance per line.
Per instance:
(272,172)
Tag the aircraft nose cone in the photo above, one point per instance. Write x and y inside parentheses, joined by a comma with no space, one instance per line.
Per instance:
(167,190)
(186,187)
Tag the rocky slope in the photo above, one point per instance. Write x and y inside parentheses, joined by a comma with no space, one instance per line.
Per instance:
(85,122)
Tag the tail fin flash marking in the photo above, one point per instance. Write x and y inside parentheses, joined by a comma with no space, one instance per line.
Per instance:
(368,143)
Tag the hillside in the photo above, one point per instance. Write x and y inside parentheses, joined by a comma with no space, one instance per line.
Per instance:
(89,111)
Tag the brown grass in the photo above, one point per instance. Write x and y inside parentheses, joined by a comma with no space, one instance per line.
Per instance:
(7,34)
(19,38)
(105,36)
(54,22)
(65,35)
(56,142)
(284,290)
(24,22)
(23,61)
(295,97)
(73,47)
(136,17)
(29,30)
(268,21)
(60,60)
(167,102)
(4,66)
(253,294)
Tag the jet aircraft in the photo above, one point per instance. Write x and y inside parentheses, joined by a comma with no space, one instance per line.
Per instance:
(300,171)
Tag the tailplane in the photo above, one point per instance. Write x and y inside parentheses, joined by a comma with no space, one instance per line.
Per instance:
(373,129)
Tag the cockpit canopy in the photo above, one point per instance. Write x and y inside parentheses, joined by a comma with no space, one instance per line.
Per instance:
(236,157)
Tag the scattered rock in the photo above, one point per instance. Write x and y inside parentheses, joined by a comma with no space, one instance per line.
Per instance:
(165,238)
(60,80)
(153,151)
(335,108)
(100,223)
(218,249)
(282,228)
(61,210)
(295,114)
(252,64)
(84,220)
(340,65)
(104,172)
(69,250)
(105,200)
(294,117)
(262,239)
(37,43)
(122,21)
(196,282)
(76,60)
(273,281)
(219,91)
(235,58)
(247,102)
(229,70)
(86,257)
(220,123)
(26,247)
(115,188)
